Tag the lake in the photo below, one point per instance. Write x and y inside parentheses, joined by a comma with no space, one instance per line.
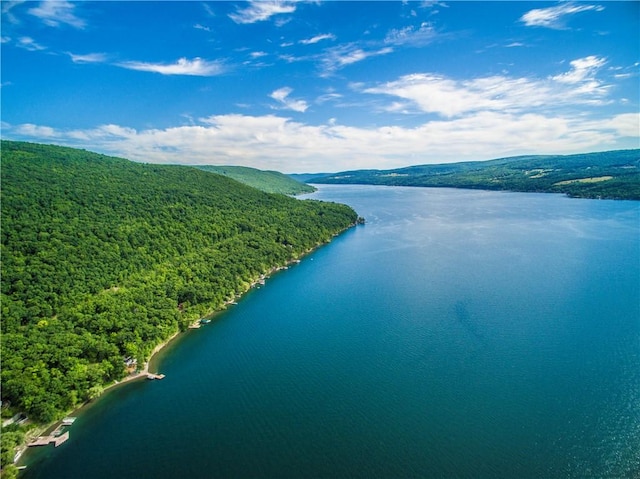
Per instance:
(458,333)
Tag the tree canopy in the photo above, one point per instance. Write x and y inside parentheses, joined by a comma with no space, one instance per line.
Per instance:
(103,258)
(269,181)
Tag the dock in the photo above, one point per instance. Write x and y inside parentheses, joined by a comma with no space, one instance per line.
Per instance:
(152,376)
(45,440)
(68,421)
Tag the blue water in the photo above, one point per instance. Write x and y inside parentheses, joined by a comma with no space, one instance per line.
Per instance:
(458,334)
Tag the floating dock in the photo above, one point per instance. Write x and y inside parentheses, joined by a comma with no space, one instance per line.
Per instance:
(152,376)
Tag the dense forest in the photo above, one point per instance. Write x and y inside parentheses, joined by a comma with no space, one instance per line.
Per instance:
(608,174)
(103,259)
(269,181)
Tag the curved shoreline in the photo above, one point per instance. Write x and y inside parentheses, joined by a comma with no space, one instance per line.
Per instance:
(144,372)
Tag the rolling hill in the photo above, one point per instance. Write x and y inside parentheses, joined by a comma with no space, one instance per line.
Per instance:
(269,181)
(104,258)
(608,174)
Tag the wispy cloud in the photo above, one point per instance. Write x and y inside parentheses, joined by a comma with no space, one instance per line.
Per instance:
(261,10)
(208,9)
(88,58)
(449,97)
(338,57)
(410,35)
(30,44)
(281,95)
(554,17)
(331,95)
(184,66)
(56,13)
(198,26)
(581,69)
(7,6)
(318,38)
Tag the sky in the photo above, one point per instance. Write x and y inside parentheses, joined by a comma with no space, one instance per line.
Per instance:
(321,86)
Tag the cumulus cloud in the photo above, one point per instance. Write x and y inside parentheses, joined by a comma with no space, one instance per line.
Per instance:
(554,17)
(282,97)
(184,66)
(274,142)
(261,10)
(449,97)
(36,131)
(57,13)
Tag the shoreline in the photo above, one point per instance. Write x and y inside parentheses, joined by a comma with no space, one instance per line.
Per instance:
(38,431)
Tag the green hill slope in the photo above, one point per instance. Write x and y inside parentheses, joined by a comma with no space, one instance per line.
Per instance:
(269,181)
(609,174)
(103,258)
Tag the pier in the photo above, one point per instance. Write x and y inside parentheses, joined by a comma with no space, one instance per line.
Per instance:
(53,438)
(152,376)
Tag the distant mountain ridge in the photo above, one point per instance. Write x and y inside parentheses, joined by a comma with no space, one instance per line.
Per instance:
(268,181)
(608,174)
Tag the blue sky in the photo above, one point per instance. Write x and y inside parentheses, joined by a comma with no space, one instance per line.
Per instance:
(322,86)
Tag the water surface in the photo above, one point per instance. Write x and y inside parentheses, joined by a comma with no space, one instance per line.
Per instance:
(457,334)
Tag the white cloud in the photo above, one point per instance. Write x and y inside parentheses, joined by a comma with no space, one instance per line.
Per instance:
(197,26)
(553,17)
(56,13)
(261,10)
(282,96)
(329,96)
(88,58)
(184,66)
(318,38)
(338,57)
(627,124)
(208,9)
(411,36)
(448,97)
(7,6)
(581,69)
(274,142)
(35,131)
(30,44)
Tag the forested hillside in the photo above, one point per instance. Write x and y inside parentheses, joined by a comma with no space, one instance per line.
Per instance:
(103,258)
(608,174)
(269,181)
